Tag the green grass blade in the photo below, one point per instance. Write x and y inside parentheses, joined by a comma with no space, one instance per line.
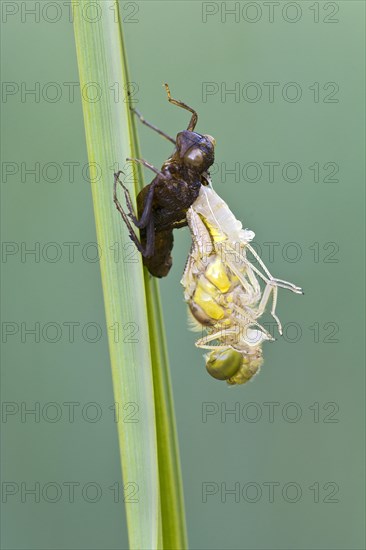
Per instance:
(108,137)
(172,504)
(149,450)
(172,501)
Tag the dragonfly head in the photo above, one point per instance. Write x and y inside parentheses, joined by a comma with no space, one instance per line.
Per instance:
(196,151)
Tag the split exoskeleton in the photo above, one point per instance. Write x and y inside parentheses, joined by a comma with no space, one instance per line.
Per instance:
(162,204)
(222,290)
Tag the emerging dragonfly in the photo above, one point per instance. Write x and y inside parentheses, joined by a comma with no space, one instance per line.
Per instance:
(162,205)
(223,293)
(221,284)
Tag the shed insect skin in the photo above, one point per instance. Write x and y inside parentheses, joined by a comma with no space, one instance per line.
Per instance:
(162,205)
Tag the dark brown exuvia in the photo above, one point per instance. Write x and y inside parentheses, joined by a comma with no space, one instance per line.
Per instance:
(162,205)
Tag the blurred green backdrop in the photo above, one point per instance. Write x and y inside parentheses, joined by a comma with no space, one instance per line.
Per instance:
(284,469)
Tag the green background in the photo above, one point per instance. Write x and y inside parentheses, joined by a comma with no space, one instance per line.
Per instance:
(322,372)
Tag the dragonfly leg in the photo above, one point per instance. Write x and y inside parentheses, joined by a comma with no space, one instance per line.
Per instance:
(147,213)
(152,126)
(220,334)
(148,250)
(194,118)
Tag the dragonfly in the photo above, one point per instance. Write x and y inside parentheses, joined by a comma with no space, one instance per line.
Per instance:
(226,293)
(162,204)
(223,291)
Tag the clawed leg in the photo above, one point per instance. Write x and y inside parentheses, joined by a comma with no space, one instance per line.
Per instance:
(253,285)
(149,125)
(265,297)
(145,217)
(144,220)
(150,233)
(148,165)
(258,312)
(204,342)
(279,282)
(272,284)
(132,233)
(250,319)
(194,118)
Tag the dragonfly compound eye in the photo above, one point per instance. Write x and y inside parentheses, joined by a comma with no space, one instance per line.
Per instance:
(194,157)
(224,364)
(211,139)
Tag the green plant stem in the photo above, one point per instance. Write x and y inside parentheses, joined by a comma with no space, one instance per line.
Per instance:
(148,448)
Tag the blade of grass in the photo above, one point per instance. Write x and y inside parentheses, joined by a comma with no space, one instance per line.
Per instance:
(111,136)
(108,137)
(172,501)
